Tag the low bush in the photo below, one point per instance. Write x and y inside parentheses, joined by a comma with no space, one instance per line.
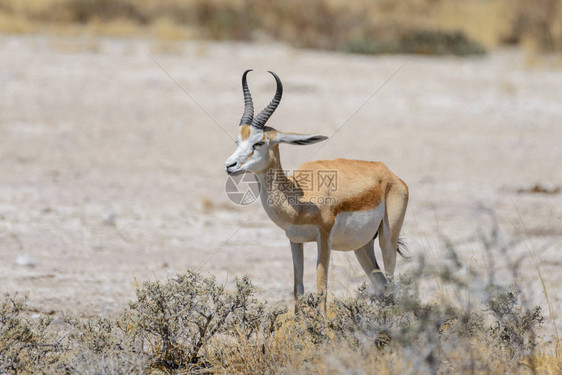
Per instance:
(191,324)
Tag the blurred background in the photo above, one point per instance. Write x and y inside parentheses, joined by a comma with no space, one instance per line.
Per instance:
(116,117)
(361,26)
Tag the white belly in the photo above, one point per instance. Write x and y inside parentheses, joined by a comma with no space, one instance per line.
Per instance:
(355,229)
(351,230)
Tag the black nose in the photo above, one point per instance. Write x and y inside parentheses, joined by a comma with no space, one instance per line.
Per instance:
(231,165)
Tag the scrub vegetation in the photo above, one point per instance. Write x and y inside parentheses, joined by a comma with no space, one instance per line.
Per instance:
(190,323)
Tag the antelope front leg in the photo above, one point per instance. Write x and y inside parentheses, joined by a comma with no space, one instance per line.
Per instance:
(322,268)
(298,268)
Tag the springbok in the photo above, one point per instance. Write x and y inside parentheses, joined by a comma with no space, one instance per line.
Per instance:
(363,199)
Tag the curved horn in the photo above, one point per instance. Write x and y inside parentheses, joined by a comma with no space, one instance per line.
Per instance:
(261,119)
(248,115)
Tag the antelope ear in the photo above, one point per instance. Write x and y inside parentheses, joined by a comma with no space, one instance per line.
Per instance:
(299,139)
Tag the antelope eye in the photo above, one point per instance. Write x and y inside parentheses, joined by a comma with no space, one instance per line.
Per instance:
(258,144)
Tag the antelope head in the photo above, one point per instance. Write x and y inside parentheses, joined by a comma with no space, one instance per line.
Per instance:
(257,143)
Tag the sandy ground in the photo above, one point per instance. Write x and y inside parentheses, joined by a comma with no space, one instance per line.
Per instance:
(111,175)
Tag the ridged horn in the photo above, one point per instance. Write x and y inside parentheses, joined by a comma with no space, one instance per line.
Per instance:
(265,114)
(248,115)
